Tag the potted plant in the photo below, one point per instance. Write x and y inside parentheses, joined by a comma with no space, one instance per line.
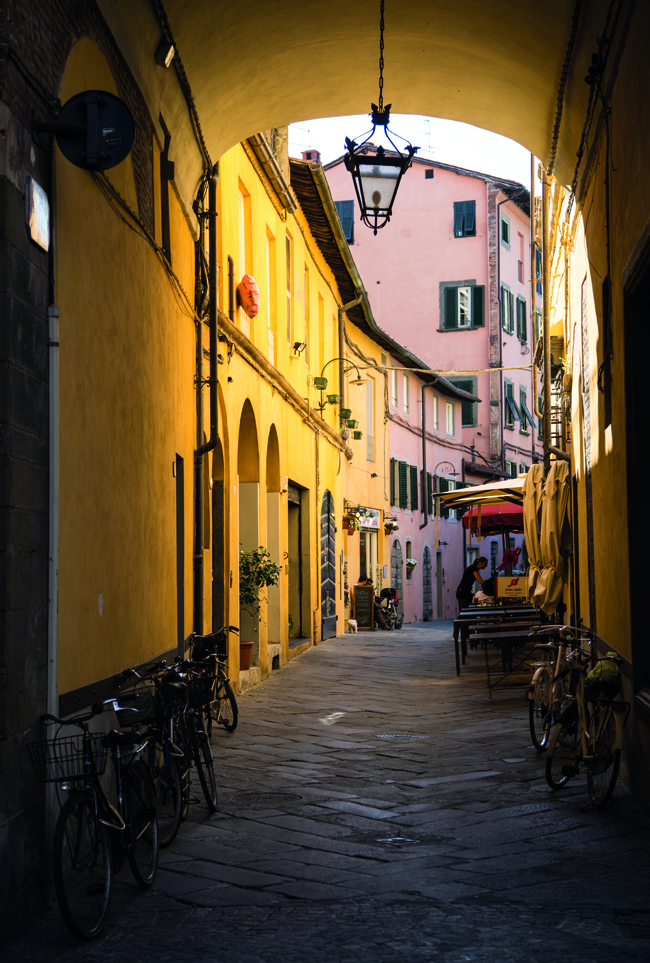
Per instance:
(333,399)
(320,383)
(352,423)
(256,571)
(345,413)
(357,435)
(410,565)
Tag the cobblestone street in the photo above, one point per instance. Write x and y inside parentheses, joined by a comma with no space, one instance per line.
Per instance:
(376,807)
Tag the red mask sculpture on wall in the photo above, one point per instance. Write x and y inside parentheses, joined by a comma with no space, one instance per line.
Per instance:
(249,295)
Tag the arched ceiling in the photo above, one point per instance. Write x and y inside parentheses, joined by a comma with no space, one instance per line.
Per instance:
(255,64)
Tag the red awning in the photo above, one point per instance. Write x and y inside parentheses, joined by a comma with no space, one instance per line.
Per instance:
(495,519)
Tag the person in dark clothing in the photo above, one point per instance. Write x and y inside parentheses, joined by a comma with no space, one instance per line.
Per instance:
(465,590)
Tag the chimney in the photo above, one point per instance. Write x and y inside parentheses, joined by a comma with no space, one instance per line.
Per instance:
(311,155)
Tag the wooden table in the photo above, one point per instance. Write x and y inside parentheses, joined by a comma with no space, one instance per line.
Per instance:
(477,616)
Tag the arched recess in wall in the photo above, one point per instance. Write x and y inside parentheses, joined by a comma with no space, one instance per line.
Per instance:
(397,573)
(273,535)
(248,495)
(427,588)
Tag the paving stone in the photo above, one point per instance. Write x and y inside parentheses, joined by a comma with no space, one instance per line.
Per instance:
(436,849)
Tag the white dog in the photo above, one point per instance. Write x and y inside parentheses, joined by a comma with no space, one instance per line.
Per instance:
(352,626)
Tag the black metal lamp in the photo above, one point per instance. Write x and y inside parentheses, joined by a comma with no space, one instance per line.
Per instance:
(376,173)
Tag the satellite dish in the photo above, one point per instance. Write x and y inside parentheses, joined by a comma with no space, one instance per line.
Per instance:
(95,130)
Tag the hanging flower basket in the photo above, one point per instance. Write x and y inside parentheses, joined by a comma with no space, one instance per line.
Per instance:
(352,423)
(390,527)
(320,383)
(346,413)
(333,399)
(410,564)
(357,435)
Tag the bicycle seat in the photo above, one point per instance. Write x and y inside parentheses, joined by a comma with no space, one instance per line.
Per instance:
(115,738)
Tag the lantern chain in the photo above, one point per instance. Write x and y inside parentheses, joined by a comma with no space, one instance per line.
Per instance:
(381,57)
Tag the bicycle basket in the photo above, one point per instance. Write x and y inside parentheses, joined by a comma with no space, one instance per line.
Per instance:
(200,691)
(61,760)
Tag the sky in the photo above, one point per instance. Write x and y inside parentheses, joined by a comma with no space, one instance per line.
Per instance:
(447,141)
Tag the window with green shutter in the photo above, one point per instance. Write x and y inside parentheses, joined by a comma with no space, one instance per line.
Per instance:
(507,309)
(468,408)
(464,306)
(403,485)
(346,217)
(464,218)
(522,326)
(442,485)
(505,231)
(430,493)
(511,412)
(414,488)
(392,481)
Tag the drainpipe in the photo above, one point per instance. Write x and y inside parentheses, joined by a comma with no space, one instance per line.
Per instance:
(549,449)
(533,301)
(51,700)
(342,312)
(213,382)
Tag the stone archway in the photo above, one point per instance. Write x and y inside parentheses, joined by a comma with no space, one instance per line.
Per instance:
(248,493)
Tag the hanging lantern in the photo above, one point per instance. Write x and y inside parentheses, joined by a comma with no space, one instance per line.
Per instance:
(377,172)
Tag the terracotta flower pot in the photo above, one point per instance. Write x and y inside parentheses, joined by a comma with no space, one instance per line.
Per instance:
(245,654)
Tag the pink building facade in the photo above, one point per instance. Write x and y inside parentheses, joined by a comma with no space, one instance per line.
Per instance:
(452,278)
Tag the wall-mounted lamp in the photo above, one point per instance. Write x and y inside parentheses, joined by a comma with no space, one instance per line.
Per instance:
(299,347)
(374,474)
(165,54)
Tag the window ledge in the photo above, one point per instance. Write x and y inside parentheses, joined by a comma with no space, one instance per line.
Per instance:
(470,327)
(509,427)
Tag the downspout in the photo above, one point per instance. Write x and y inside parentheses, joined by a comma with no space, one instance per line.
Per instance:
(213,382)
(51,699)
(344,308)
(533,301)
(549,449)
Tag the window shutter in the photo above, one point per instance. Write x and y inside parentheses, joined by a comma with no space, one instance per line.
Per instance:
(403,492)
(414,488)
(511,298)
(470,217)
(467,407)
(429,493)
(346,217)
(392,481)
(521,318)
(451,307)
(478,306)
(443,486)
(459,208)
(504,308)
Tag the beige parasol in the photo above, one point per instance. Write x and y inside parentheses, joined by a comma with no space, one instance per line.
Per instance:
(548,590)
(533,497)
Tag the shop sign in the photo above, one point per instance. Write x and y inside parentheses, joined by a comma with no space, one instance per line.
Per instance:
(512,586)
(370,520)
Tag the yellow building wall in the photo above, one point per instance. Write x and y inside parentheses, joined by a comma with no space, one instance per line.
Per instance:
(127,406)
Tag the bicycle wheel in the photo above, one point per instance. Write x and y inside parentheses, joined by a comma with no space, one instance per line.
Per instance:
(83,870)
(142,827)
(224,709)
(539,712)
(204,762)
(606,758)
(182,741)
(167,788)
(562,755)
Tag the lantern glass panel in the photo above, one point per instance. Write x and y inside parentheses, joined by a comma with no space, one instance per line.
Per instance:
(378,183)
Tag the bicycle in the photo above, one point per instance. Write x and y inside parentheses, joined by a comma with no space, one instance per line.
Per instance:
(589,731)
(547,692)
(93,838)
(223,708)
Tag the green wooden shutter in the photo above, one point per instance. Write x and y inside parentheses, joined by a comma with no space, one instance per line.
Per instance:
(443,486)
(504,308)
(459,211)
(512,311)
(403,489)
(470,218)
(430,493)
(478,306)
(392,481)
(346,217)
(467,407)
(451,307)
(414,488)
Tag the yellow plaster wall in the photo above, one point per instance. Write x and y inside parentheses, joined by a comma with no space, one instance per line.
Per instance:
(126,408)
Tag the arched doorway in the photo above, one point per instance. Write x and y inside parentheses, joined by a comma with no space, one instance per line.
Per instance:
(273,507)
(248,491)
(327,567)
(427,599)
(396,573)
